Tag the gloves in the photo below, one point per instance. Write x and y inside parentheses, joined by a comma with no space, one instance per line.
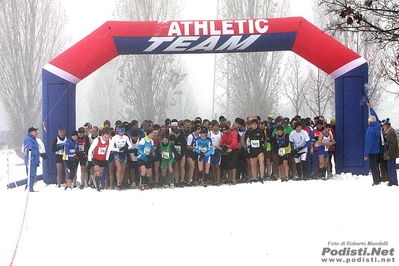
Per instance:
(216,151)
(150,157)
(44,156)
(122,149)
(224,148)
(201,155)
(298,150)
(135,152)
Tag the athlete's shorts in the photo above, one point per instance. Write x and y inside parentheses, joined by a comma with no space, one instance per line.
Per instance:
(82,160)
(121,157)
(99,163)
(192,154)
(141,163)
(133,165)
(254,153)
(216,159)
(58,158)
(156,158)
(229,161)
(321,151)
(165,163)
(302,157)
(268,154)
(206,159)
(71,167)
(283,158)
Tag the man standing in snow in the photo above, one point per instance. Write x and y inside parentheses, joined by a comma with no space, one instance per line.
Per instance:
(372,146)
(392,152)
(31,156)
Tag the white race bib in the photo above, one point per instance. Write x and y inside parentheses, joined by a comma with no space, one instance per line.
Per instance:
(102,150)
(178,148)
(165,155)
(255,143)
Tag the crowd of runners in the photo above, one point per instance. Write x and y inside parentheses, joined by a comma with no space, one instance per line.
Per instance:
(196,152)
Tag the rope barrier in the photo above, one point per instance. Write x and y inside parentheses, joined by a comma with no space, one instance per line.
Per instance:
(20,230)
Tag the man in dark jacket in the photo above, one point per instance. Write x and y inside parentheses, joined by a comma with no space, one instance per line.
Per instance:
(391,153)
(372,146)
(31,156)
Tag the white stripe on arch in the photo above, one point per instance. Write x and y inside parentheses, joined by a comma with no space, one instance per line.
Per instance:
(61,73)
(348,67)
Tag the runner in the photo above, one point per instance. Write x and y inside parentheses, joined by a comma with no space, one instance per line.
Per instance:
(167,152)
(132,158)
(216,157)
(179,142)
(146,152)
(70,161)
(81,157)
(299,141)
(229,145)
(58,149)
(121,145)
(255,141)
(191,156)
(99,153)
(203,147)
(282,143)
(326,139)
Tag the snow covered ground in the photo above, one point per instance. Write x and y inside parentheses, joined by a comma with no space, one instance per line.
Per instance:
(275,223)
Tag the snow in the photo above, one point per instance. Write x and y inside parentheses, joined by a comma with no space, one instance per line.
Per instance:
(248,224)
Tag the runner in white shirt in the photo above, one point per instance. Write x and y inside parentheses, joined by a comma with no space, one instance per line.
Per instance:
(300,141)
(216,157)
(121,145)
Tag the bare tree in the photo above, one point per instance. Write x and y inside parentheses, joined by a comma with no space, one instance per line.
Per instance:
(254,77)
(296,85)
(102,100)
(320,92)
(147,79)
(360,43)
(376,21)
(31,35)
(182,102)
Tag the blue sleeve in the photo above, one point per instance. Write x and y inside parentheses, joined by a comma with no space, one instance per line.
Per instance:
(140,152)
(67,148)
(306,144)
(372,112)
(210,150)
(195,146)
(292,145)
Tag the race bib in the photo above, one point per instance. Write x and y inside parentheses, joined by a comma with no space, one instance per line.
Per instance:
(81,147)
(203,149)
(281,151)
(165,155)
(255,143)
(147,151)
(72,150)
(102,150)
(178,148)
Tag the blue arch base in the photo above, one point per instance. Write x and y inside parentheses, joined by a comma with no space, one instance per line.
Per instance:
(59,110)
(351,121)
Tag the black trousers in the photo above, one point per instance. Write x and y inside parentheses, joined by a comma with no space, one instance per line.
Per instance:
(374,160)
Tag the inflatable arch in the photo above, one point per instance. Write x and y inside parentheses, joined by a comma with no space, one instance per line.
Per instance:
(113,38)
